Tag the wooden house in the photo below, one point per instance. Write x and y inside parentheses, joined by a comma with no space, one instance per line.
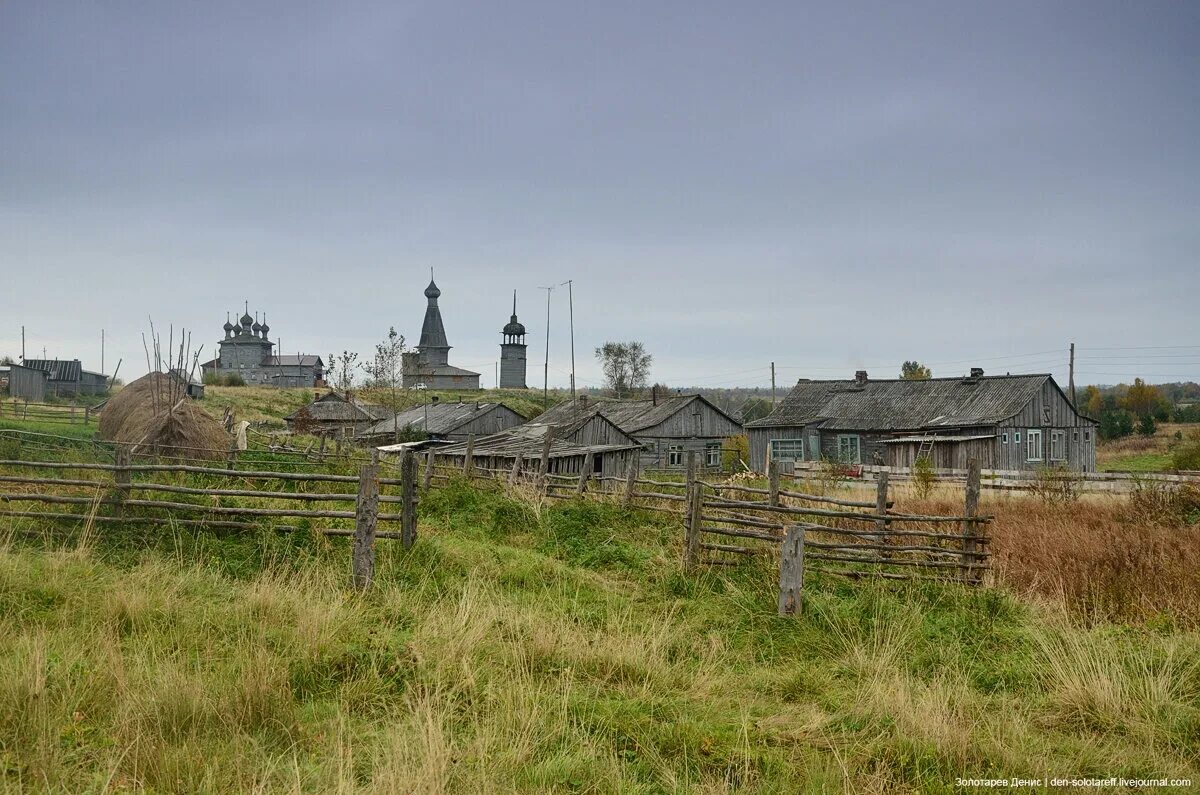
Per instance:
(446,421)
(335,414)
(500,451)
(667,427)
(1006,422)
(66,377)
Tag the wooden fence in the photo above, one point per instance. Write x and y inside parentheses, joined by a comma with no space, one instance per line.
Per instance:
(189,494)
(724,522)
(46,413)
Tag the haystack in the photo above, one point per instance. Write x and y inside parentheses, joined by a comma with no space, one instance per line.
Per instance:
(154,414)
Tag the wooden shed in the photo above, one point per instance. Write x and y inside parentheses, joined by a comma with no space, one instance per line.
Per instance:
(1006,422)
(449,421)
(335,414)
(500,450)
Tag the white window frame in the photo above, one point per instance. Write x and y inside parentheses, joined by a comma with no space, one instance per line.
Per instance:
(1004,438)
(674,455)
(1058,445)
(1016,437)
(712,454)
(1033,444)
(795,446)
(849,437)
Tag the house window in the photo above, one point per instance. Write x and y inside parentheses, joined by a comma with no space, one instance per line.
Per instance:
(675,455)
(849,449)
(1058,446)
(1016,437)
(1033,445)
(787,449)
(712,454)
(1004,438)
(1075,436)
(1087,436)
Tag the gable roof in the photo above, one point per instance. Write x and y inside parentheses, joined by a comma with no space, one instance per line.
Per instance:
(293,360)
(527,440)
(334,407)
(443,417)
(630,415)
(895,404)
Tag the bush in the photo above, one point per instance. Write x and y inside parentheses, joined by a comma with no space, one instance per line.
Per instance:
(734,451)
(1187,457)
(210,378)
(235,379)
(1057,484)
(924,476)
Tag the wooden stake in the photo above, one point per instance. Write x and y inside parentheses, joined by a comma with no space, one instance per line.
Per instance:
(366,516)
(585,474)
(468,461)
(773,482)
(429,459)
(408,493)
(881,506)
(631,473)
(791,571)
(970,527)
(691,545)
(544,468)
(516,469)
(122,477)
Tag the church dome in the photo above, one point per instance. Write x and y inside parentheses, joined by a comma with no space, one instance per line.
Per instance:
(228,326)
(513,327)
(432,290)
(247,321)
(256,327)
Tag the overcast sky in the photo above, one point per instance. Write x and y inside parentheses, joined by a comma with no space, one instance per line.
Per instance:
(829,187)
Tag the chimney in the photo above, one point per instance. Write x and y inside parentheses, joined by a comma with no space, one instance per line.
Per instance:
(583,400)
(860,378)
(977,372)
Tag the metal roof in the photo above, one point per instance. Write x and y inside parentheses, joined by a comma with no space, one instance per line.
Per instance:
(896,404)
(630,416)
(519,441)
(59,369)
(293,360)
(439,369)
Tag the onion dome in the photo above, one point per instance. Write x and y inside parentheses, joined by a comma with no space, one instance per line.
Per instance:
(514,328)
(265,327)
(432,290)
(228,326)
(256,328)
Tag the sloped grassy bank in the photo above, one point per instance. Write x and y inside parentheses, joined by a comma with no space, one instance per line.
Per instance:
(555,648)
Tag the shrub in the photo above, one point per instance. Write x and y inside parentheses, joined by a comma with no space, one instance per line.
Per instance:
(235,379)
(924,476)
(211,378)
(1187,457)
(734,450)
(1165,504)
(1057,484)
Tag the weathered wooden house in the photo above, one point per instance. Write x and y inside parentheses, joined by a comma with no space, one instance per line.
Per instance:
(667,427)
(1006,422)
(581,422)
(65,377)
(500,451)
(335,414)
(446,421)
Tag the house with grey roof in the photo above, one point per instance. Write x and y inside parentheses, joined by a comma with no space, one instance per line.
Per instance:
(430,363)
(335,414)
(1006,422)
(666,426)
(566,455)
(444,421)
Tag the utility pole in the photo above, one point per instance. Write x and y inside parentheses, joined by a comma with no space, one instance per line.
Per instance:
(1071,376)
(546,370)
(102,350)
(772,384)
(571,304)
(22,344)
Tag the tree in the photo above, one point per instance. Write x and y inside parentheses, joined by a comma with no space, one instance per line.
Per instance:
(1147,426)
(915,371)
(626,366)
(5,360)
(1142,398)
(342,368)
(385,369)
(1093,402)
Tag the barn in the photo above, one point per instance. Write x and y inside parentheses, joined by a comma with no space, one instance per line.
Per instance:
(64,377)
(335,414)
(1005,421)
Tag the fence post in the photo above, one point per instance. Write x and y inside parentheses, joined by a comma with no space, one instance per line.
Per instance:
(970,527)
(881,506)
(87,415)
(791,571)
(585,474)
(408,493)
(691,544)
(366,511)
(631,472)
(468,459)
(518,459)
(691,471)
(544,468)
(122,477)
(429,459)
(773,482)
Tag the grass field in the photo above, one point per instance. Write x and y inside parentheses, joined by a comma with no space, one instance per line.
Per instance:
(1145,454)
(522,647)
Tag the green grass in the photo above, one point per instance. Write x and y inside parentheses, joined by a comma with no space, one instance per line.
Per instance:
(1137,462)
(546,648)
